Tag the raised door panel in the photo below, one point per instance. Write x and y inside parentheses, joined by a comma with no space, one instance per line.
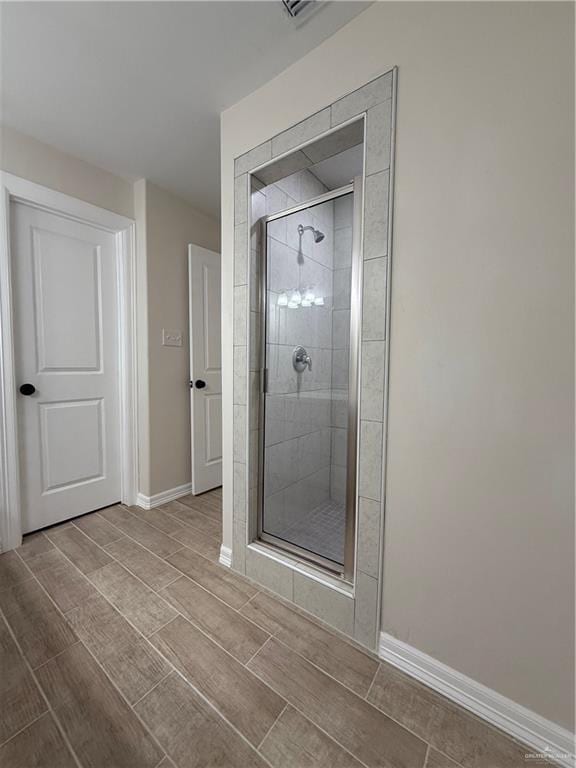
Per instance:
(211,318)
(67,302)
(71,443)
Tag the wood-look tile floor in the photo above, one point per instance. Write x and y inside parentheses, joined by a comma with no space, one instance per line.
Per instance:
(124,644)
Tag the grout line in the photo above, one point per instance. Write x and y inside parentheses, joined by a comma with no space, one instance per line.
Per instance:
(272,726)
(258,651)
(41,690)
(34,669)
(180,576)
(159,629)
(167,675)
(249,601)
(426,756)
(20,730)
(183,546)
(372,683)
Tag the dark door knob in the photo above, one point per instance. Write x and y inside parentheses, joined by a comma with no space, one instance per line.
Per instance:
(27,389)
(199,384)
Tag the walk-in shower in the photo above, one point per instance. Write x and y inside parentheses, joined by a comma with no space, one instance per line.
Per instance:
(310,277)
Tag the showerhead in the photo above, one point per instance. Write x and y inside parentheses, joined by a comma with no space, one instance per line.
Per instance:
(318,235)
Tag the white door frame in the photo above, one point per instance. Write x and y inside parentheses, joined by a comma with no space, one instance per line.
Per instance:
(15,189)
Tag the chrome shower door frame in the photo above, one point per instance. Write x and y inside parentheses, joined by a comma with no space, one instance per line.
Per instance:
(347,571)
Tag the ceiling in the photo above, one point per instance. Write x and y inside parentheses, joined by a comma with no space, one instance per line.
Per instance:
(137,87)
(341,169)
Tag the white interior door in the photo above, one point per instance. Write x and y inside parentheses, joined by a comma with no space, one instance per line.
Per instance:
(66,344)
(205,368)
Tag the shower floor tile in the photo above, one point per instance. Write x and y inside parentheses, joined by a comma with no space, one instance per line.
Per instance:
(322,532)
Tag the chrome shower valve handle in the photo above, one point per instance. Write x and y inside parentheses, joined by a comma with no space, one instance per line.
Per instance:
(301,360)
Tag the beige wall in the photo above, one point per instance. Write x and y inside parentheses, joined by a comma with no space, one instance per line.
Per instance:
(30,159)
(171,224)
(479,542)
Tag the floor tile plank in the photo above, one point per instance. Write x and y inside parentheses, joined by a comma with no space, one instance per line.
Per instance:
(137,529)
(39,628)
(438,760)
(34,544)
(199,542)
(20,700)
(130,661)
(81,694)
(135,601)
(450,729)
(190,731)
(49,559)
(158,518)
(243,699)
(12,570)
(82,551)
(210,505)
(295,741)
(192,517)
(224,625)
(100,626)
(39,746)
(151,569)
(66,585)
(364,731)
(215,578)
(340,659)
(98,529)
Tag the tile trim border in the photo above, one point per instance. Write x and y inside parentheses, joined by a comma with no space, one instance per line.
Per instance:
(515,720)
(149,502)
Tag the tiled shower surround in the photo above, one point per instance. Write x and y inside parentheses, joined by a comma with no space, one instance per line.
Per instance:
(352,608)
(305,435)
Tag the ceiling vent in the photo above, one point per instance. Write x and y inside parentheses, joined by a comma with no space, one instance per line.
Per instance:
(295,7)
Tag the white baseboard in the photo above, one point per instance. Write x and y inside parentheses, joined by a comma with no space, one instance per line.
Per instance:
(533,730)
(225,556)
(149,502)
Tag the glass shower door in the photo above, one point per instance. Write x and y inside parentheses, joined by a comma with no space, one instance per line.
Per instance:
(307,481)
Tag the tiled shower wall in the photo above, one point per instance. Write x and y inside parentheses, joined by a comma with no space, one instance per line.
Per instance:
(355,610)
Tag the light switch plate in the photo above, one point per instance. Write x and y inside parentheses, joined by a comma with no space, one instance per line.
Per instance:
(171,338)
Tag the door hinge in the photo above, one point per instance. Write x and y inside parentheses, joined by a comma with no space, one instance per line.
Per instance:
(264,380)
